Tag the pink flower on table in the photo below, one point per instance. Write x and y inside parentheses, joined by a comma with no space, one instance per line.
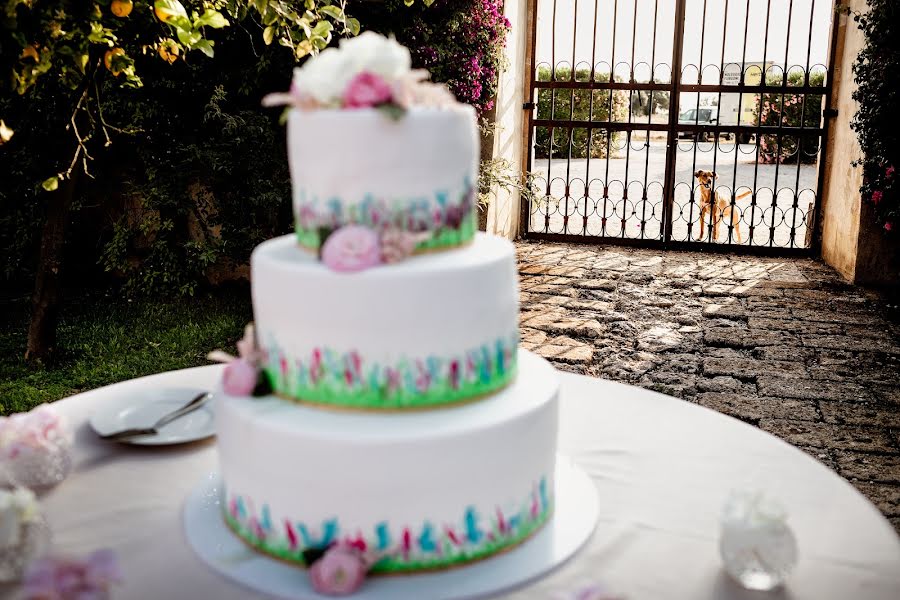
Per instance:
(340,571)
(876,197)
(239,378)
(41,429)
(351,248)
(65,579)
(366,90)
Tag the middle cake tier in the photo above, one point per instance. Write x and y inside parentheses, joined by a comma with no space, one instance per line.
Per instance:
(437,329)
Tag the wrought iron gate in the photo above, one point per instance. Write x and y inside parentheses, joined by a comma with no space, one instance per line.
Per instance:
(623,144)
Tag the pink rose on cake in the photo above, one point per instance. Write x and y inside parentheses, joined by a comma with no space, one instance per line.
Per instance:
(351,248)
(366,90)
(339,572)
(243,374)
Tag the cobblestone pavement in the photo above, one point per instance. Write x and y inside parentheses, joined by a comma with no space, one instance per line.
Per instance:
(784,344)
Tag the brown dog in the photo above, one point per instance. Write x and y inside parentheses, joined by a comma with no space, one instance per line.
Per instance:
(722,207)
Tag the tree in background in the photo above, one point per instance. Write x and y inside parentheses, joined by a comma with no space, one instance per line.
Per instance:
(75,54)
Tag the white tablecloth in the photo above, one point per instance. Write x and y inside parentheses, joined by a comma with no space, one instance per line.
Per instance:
(663,468)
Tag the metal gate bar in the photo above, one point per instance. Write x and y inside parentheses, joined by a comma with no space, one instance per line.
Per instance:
(559,204)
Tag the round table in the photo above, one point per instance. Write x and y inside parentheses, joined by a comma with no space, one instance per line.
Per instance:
(663,468)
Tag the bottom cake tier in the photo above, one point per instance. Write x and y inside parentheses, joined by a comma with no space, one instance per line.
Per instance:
(420,491)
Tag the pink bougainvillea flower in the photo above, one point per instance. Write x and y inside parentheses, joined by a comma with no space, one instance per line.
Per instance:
(366,90)
(340,571)
(876,197)
(888,226)
(72,578)
(351,248)
(239,378)
(889,172)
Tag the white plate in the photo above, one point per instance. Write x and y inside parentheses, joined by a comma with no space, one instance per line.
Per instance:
(144,408)
(572,524)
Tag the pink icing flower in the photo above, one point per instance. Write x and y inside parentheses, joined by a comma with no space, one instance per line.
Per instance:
(876,197)
(366,90)
(71,578)
(397,245)
(351,248)
(239,378)
(340,571)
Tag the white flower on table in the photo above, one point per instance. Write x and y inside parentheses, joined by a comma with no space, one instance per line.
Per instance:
(17,507)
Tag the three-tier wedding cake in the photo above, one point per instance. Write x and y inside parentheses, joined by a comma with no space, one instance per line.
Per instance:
(381,403)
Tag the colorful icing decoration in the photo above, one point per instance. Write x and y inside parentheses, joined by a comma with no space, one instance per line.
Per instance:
(426,223)
(345,380)
(399,549)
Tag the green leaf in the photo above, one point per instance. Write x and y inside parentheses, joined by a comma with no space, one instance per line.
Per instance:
(334,12)
(260,6)
(51,183)
(392,111)
(180,23)
(166,9)
(322,28)
(409,2)
(212,18)
(189,38)
(268,34)
(353,26)
(206,47)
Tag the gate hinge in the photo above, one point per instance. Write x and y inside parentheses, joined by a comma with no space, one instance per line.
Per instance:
(528,105)
(830,113)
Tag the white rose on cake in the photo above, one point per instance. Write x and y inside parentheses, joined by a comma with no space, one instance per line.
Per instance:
(373,53)
(368,71)
(323,78)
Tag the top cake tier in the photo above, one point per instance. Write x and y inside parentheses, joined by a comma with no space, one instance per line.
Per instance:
(417,173)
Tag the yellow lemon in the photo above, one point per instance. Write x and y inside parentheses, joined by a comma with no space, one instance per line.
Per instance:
(30,52)
(121,8)
(169,51)
(108,58)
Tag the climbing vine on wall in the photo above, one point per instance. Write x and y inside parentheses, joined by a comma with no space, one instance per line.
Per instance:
(878,95)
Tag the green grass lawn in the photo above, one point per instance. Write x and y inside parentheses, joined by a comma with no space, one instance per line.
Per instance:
(105,339)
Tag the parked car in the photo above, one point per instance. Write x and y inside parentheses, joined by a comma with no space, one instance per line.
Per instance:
(707,116)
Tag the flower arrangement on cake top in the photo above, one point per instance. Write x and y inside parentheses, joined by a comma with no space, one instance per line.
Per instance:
(368,71)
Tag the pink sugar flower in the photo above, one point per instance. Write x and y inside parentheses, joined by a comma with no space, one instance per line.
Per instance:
(351,248)
(65,579)
(340,571)
(239,378)
(366,90)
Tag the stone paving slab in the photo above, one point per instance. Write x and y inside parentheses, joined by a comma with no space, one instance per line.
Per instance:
(783,344)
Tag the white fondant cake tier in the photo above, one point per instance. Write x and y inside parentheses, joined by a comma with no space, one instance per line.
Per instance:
(417,172)
(421,490)
(435,329)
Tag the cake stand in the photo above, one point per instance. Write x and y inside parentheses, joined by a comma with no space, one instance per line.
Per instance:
(573,521)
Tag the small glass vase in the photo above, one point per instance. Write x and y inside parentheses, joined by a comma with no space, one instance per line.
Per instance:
(757,546)
(40,467)
(34,541)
